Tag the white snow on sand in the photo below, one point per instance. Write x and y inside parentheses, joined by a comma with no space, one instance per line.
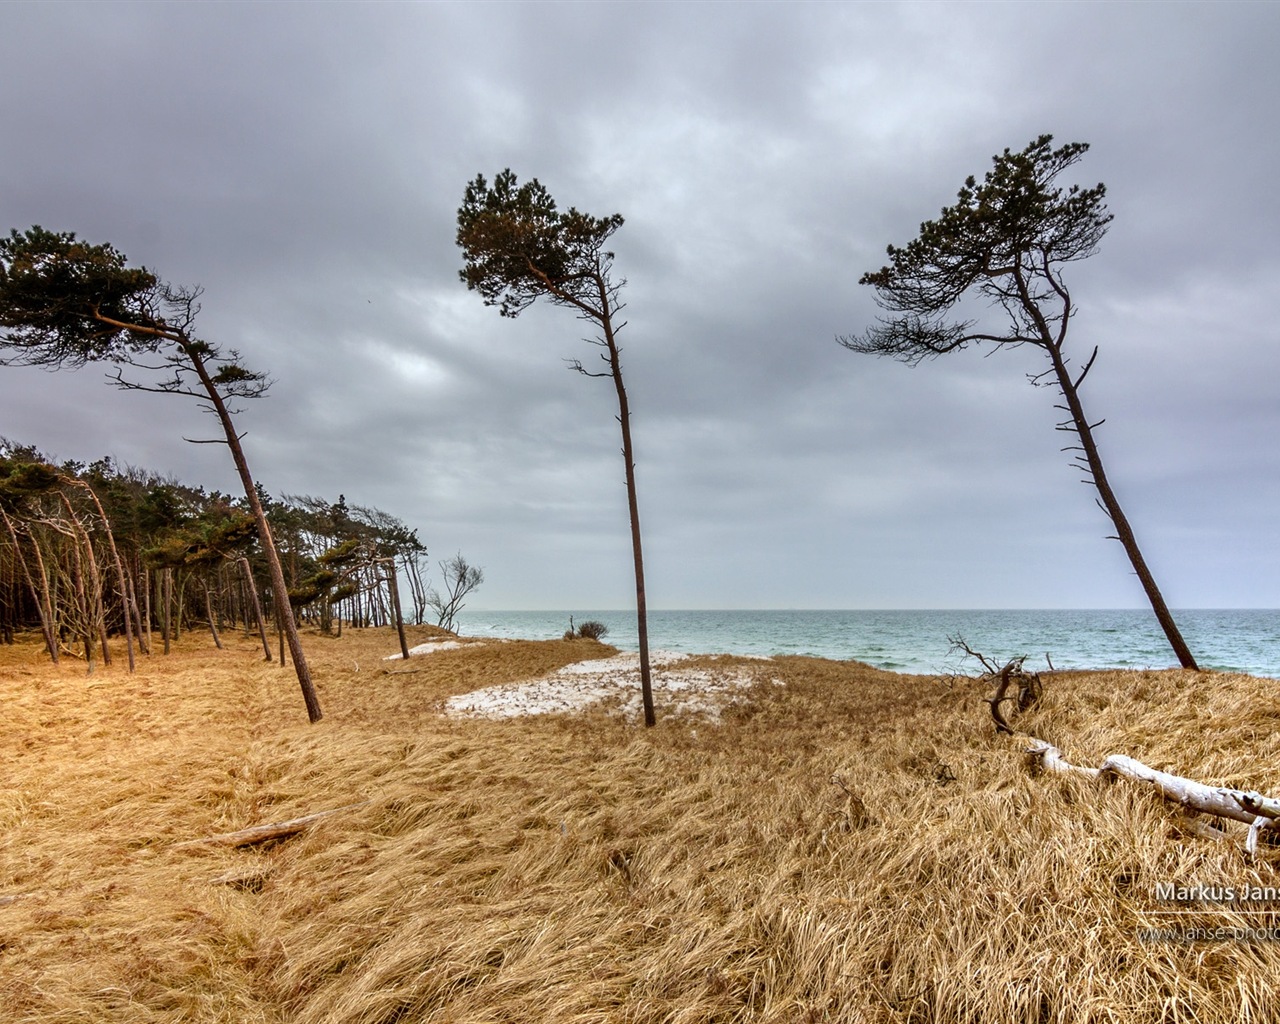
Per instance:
(615,680)
(430,647)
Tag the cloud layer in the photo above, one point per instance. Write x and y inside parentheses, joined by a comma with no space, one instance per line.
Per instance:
(305,163)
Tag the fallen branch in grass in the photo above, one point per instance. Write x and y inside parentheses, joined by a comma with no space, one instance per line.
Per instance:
(275,830)
(1254,809)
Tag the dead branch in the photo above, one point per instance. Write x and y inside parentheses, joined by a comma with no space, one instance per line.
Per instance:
(275,830)
(1028,683)
(1028,692)
(958,643)
(853,815)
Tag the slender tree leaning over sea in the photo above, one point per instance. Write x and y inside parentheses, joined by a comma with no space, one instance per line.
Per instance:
(518,248)
(1006,240)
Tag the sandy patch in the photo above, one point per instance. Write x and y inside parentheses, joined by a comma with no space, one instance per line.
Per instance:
(616,680)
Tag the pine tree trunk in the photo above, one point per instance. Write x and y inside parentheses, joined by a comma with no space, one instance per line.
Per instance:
(44,606)
(252,592)
(395,605)
(120,574)
(279,591)
(213,622)
(146,591)
(83,610)
(633,508)
(1111,505)
(143,632)
(166,602)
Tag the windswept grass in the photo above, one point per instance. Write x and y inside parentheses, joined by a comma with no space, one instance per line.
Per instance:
(581,869)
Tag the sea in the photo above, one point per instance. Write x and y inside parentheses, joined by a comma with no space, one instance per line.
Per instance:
(1230,640)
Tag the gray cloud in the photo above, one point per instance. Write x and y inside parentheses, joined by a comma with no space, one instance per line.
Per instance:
(304,164)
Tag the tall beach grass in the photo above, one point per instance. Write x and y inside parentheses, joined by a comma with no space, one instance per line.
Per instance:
(844,845)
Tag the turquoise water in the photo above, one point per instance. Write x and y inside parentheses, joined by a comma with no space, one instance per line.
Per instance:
(1237,640)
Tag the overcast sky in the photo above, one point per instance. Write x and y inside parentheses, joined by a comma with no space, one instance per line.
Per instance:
(304,163)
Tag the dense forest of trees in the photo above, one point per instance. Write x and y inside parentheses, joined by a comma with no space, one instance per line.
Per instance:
(92,550)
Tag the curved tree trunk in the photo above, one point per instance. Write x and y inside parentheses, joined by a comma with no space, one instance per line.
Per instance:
(44,604)
(93,594)
(120,575)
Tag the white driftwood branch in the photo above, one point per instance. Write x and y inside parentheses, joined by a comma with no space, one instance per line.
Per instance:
(1049,758)
(1254,809)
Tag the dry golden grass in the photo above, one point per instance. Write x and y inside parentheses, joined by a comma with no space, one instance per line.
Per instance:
(581,869)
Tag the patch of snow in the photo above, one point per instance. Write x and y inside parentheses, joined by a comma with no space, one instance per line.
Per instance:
(430,647)
(615,680)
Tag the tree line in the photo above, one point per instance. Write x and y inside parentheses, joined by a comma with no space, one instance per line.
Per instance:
(89,551)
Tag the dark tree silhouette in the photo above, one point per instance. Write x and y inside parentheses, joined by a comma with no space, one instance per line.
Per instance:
(518,248)
(1006,240)
(65,302)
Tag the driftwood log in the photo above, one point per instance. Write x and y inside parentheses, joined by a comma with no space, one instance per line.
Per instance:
(274,830)
(1254,809)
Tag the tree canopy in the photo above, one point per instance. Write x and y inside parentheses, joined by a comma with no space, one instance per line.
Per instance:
(517,247)
(66,302)
(1005,240)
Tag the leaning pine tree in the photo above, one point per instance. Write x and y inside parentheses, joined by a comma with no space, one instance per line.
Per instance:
(64,302)
(1006,240)
(518,248)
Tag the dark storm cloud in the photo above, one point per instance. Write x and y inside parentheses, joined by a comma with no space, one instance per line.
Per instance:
(304,164)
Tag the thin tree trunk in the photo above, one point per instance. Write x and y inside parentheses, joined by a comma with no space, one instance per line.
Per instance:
(41,597)
(166,602)
(180,607)
(115,555)
(93,595)
(82,602)
(1111,505)
(416,589)
(280,592)
(144,639)
(146,590)
(257,607)
(395,604)
(213,622)
(633,507)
